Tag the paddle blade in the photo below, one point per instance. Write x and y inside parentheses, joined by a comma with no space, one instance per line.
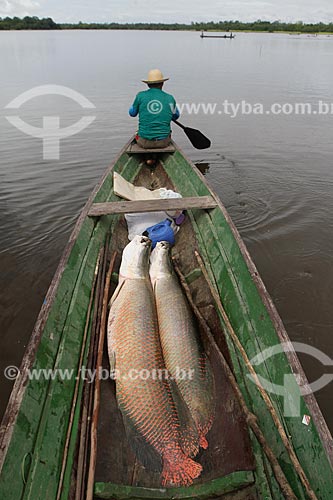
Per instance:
(198,140)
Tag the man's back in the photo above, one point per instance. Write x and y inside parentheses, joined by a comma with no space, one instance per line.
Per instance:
(156,109)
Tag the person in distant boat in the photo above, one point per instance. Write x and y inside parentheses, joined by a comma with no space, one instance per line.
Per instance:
(156,110)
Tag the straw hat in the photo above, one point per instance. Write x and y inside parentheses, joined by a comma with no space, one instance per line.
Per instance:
(155,76)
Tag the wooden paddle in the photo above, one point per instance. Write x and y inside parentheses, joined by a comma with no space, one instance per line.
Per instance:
(198,140)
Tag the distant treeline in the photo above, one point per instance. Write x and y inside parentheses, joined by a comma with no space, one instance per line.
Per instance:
(34,23)
(28,23)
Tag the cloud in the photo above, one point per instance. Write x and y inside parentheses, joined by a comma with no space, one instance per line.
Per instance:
(170,11)
(18,7)
(213,10)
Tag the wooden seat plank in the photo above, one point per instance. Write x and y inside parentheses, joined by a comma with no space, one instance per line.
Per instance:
(128,207)
(135,148)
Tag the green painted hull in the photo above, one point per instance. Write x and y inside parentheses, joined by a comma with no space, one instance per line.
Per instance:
(34,429)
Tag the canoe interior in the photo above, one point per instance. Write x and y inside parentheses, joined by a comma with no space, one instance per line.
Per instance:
(229,443)
(258,326)
(34,429)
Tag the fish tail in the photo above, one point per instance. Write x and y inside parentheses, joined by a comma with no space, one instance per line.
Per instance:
(180,472)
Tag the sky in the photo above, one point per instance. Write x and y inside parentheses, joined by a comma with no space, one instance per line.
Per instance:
(183,11)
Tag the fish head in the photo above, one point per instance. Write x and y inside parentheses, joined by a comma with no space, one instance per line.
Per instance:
(160,261)
(135,258)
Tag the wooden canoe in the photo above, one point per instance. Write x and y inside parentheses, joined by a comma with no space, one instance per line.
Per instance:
(202,35)
(40,431)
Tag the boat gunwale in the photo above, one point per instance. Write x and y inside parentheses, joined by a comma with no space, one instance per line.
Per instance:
(16,396)
(230,483)
(293,360)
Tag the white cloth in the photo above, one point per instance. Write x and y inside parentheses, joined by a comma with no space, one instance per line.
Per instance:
(137,223)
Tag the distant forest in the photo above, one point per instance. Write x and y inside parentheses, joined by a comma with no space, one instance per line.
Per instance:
(34,23)
(28,23)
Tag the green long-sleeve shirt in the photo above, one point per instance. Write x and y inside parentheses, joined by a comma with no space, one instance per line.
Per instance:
(156,109)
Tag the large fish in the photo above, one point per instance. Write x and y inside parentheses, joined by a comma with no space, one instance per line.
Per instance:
(182,350)
(144,397)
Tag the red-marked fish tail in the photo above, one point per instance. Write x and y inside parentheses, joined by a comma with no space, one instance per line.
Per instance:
(179,470)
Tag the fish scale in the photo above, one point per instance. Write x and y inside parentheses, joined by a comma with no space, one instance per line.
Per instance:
(146,405)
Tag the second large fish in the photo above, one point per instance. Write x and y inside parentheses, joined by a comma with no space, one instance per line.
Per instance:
(180,339)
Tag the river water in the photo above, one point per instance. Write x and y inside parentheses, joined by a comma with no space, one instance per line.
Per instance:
(274,172)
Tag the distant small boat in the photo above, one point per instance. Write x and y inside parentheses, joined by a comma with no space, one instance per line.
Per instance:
(217,36)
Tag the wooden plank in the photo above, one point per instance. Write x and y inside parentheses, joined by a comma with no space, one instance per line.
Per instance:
(135,148)
(130,207)
(215,488)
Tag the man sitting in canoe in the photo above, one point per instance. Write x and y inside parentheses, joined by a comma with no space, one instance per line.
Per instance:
(156,110)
